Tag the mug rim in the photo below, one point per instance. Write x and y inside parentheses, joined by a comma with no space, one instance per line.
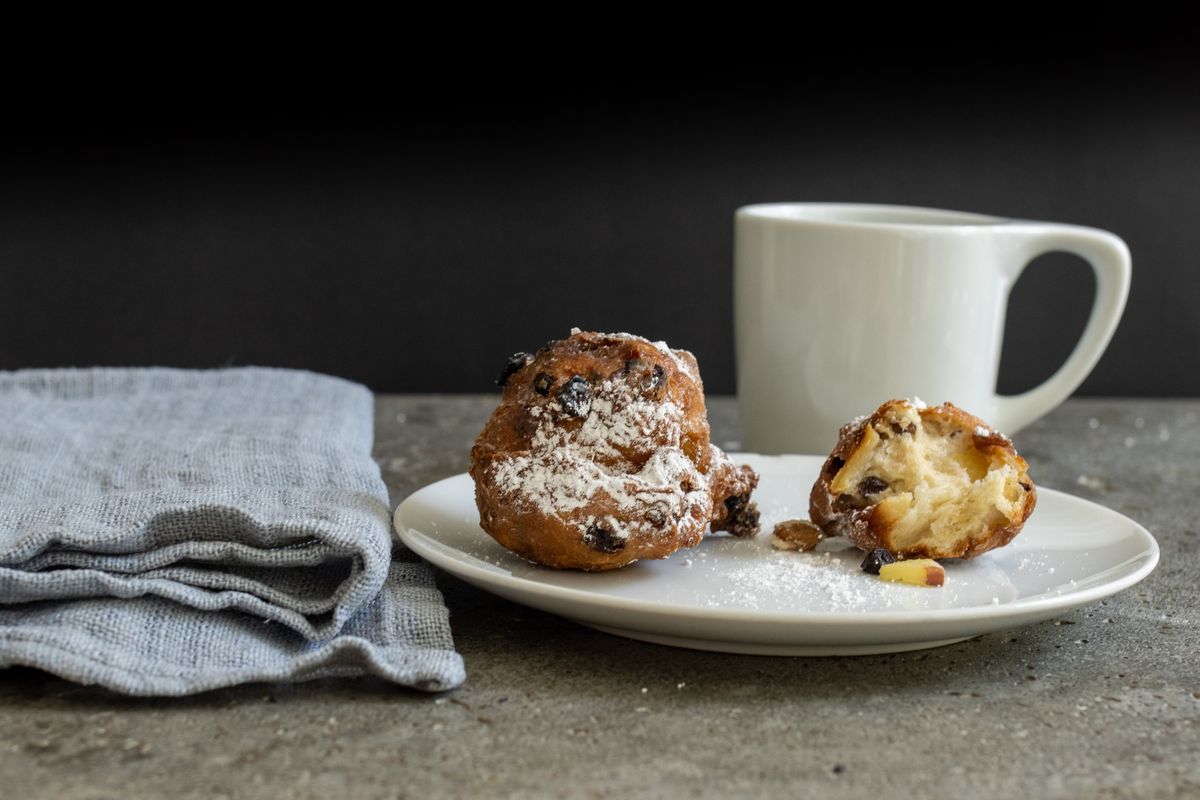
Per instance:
(868,215)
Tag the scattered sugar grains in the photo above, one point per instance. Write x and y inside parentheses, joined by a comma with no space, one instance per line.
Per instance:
(777,572)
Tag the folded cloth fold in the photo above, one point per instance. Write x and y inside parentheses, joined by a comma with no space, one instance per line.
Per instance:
(164,532)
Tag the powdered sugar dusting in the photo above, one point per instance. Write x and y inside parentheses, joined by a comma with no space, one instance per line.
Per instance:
(554,482)
(614,423)
(826,574)
(984,432)
(681,363)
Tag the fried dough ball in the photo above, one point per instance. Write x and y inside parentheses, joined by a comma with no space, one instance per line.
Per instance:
(599,455)
(923,482)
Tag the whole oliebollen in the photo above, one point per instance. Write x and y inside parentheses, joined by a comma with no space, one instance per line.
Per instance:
(599,455)
(923,482)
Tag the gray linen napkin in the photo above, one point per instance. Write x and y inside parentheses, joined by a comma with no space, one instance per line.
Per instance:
(165,532)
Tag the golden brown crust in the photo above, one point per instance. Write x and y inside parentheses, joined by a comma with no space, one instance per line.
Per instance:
(732,486)
(871,526)
(598,455)
(797,534)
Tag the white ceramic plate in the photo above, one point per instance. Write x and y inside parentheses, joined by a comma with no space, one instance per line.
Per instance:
(744,596)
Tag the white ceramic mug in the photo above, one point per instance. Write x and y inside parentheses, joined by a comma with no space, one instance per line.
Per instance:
(839,307)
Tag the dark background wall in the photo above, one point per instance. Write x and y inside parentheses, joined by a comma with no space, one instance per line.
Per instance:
(411,233)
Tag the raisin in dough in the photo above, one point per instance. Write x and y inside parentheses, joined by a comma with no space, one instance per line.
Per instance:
(599,455)
(923,482)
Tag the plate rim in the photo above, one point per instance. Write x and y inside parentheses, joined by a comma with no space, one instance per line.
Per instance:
(1016,609)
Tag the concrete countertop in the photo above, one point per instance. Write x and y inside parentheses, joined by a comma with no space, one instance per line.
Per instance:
(1100,702)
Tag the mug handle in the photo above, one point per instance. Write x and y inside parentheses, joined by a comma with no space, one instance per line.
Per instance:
(1109,260)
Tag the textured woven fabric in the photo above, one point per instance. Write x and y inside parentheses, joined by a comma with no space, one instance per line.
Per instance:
(164,532)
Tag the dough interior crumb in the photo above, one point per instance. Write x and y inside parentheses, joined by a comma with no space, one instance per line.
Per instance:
(930,479)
